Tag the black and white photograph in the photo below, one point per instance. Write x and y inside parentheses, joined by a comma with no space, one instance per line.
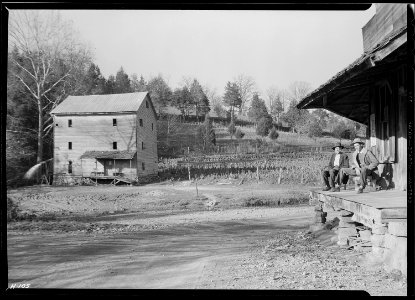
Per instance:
(213,148)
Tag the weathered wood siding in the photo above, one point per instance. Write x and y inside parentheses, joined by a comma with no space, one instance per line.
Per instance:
(391,151)
(388,18)
(147,137)
(400,168)
(88,133)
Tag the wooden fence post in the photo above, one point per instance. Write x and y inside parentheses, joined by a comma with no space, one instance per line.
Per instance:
(188,170)
(257,173)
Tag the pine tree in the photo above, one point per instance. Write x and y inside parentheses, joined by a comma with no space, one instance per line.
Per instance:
(258,109)
(232,97)
(199,99)
(94,82)
(138,85)
(122,82)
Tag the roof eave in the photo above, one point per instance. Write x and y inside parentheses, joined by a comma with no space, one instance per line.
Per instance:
(307,102)
(364,62)
(94,113)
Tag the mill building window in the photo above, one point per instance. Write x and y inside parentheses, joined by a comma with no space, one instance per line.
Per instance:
(70,145)
(114,145)
(69,123)
(141,122)
(114,122)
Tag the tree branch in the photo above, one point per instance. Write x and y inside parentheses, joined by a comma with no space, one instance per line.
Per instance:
(23,68)
(62,78)
(30,90)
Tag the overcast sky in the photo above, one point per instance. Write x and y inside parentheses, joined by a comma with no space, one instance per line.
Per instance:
(274,47)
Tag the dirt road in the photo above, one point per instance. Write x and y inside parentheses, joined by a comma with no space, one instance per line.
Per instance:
(253,248)
(168,237)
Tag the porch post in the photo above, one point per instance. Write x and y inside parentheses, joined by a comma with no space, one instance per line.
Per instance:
(96,171)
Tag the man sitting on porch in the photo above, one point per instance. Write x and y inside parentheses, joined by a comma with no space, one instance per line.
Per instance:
(364,163)
(331,173)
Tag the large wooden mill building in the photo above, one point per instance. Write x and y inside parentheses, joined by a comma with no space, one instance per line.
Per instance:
(105,136)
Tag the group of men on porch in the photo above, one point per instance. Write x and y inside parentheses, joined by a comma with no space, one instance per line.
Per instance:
(363,164)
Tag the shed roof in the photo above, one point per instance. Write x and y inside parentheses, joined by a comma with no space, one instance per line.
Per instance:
(128,102)
(125,154)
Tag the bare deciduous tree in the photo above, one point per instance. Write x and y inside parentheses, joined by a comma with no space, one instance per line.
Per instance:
(51,54)
(212,95)
(275,102)
(247,86)
(298,90)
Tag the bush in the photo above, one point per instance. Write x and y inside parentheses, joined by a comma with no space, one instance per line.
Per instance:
(264,126)
(273,134)
(239,134)
(12,210)
(315,130)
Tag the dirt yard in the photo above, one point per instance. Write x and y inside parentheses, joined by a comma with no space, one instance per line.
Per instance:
(172,236)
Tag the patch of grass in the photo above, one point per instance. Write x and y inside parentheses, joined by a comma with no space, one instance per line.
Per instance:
(253,201)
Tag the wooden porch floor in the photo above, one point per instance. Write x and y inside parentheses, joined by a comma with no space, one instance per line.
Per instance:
(114,179)
(369,208)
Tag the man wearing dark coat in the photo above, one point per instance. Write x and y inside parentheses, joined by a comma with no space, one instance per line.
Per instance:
(331,173)
(363,163)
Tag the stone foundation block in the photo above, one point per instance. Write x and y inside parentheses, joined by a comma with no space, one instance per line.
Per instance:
(363,248)
(379,229)
(346,224)
(342,241)
(378,240)
(346,219)
(398,228)
(316,227)
(346,213)
(396,259)
(365,235)
(346,232)
(395,242)
(378,251)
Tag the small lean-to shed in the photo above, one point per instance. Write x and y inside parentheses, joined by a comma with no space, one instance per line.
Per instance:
(105,136)
(373,91)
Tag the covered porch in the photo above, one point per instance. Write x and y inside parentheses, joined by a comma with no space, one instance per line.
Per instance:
(372,222)
(373,91)
(109,165)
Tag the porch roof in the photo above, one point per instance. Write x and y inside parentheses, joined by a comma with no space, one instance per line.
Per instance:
(125,154)
(346,93)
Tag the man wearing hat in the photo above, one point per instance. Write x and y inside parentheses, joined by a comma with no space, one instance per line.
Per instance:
(330,173)
(363,163)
